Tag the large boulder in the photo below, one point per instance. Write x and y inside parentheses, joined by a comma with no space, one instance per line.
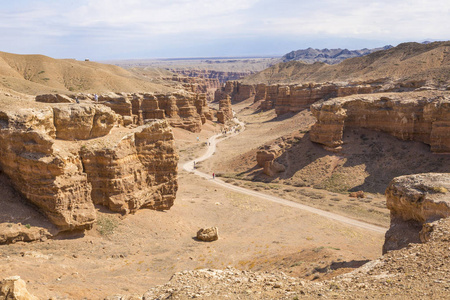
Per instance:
(414,201)
(83,121)
(12,233)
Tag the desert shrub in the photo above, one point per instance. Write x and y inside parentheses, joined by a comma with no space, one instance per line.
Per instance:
(106,225)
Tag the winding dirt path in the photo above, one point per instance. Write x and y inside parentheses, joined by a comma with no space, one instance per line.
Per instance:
(212,142)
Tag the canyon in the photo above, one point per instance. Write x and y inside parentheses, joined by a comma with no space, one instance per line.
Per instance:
(66,157)
(341,138)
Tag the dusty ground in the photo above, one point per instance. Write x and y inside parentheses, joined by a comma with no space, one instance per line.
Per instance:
(314,176)
(131,254)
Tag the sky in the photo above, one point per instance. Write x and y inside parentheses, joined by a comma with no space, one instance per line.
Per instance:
(137,29)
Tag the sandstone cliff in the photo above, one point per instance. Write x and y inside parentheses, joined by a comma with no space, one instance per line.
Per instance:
(415,201)
(182,109)
(225,112)
(122,168)
(417,116)
(238,92)
(291,98)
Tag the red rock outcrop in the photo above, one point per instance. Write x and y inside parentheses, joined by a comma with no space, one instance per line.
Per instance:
(62,176)
(419,116)
(415,201)
(225,111)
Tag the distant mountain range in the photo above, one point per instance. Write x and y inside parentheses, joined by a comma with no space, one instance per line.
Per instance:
(329,56)
(405,62)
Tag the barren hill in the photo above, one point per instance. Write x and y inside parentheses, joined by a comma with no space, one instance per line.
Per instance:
(34,74)
(407,61)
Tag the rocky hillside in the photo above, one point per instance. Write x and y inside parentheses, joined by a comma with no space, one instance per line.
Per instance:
(66,157)
(329,56)
(419,271)
(37,74)
(406,62)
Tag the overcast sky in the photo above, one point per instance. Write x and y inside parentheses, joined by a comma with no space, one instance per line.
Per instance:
(120,29)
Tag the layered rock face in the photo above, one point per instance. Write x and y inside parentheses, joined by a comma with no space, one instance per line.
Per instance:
(417,116)
(237,91)
(415,201)
(62,176)
(265,157)
(183,110)
(136,170)
(299,97)
(225,112)
(49,176)
(290,98)
(199,85)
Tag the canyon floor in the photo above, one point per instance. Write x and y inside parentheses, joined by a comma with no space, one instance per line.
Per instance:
(128,255)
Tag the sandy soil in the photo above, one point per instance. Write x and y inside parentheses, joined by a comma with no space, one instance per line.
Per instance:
(129,255)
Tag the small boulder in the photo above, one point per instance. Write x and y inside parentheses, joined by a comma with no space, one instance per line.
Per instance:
(208,234)
(358,194)
(14,288)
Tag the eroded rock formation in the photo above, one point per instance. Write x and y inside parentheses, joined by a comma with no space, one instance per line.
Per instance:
(137,169)
(291,98)
(418,116)
(122,168)
(415,201)
(225,112)
(11,233)
(182,109)
(237,91)
(265,157)
(14,288)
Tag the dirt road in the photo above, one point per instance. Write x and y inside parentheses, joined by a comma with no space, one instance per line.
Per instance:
(212,142)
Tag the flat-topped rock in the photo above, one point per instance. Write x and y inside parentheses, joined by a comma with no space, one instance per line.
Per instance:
(415,200)
(418,116)
(64,158)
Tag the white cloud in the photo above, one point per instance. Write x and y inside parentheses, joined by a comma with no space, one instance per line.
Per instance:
(114,24)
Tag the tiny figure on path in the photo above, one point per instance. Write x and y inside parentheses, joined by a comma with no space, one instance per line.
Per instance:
(96,97)
(76,100)
(214,175)
(194,164)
